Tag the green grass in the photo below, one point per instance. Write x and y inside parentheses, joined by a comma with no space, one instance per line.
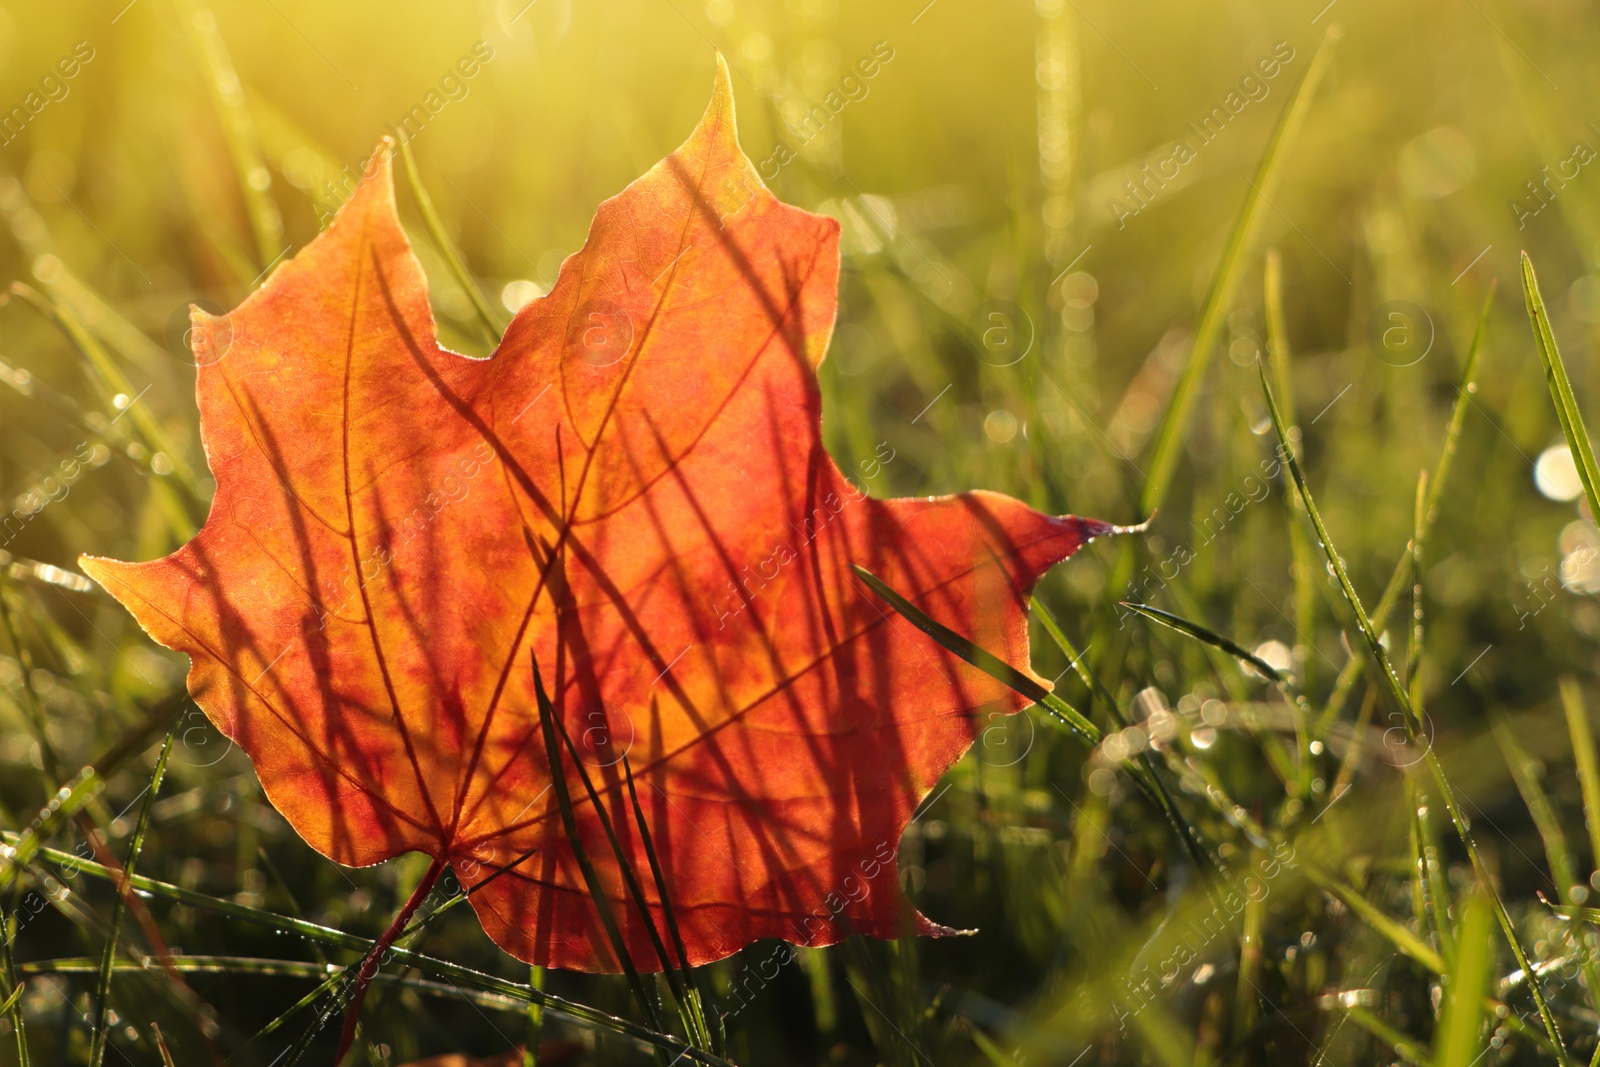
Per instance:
(1329,796)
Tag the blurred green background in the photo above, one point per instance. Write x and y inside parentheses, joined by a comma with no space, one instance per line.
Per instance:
(1028,252)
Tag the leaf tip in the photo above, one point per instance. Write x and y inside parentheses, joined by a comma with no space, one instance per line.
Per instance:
(377,181)
(722,88)
(929,928)
(720,120)
(1136,528)
(103,571)
(1093,528)
(710,164)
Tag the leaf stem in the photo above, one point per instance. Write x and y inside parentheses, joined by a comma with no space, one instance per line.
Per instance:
(374,958)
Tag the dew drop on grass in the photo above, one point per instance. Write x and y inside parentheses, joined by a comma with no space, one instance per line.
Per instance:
(1556,475)
(1274,654)
(1580,557)
(1000,426)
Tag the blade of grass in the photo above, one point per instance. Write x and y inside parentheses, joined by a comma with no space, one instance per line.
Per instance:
(1432,872)
(1296,773)
(1210,637)
(454,972)
(8,972)
(494,325)
(824,995)
(1422,902)
(569,823)
(1400,936)
(1277,330)
(1577,914)
(534,1013)
(1363,622)
(1168,436)
(1410,717)
(1418,633)
(11,1001)
(1421,913)
(102,994)
(227,95)
(1397,934)
(1247,990)
(95,312)
(260,967)
(984,660)
(1003,672)
(1561,389)
(342,984)
(69,800)
(1223,666)
(1526,772)
(113,382)
(330,985)
(1304,570)
(996,1055)
(33,707)
(1080,664)
(636,891)
(1583,754)
(1407,1049)
(1436,484)
(294,903)
(1457,1041)
(161,1044)
(696,995)
(282,140)
(890,1036)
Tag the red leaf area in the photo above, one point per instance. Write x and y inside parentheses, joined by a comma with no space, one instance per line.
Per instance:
(632,493)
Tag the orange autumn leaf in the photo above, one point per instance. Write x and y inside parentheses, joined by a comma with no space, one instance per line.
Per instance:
(631,493)
(551,1054)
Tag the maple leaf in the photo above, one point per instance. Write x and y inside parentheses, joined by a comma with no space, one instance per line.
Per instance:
(549,1053)
(631,493)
